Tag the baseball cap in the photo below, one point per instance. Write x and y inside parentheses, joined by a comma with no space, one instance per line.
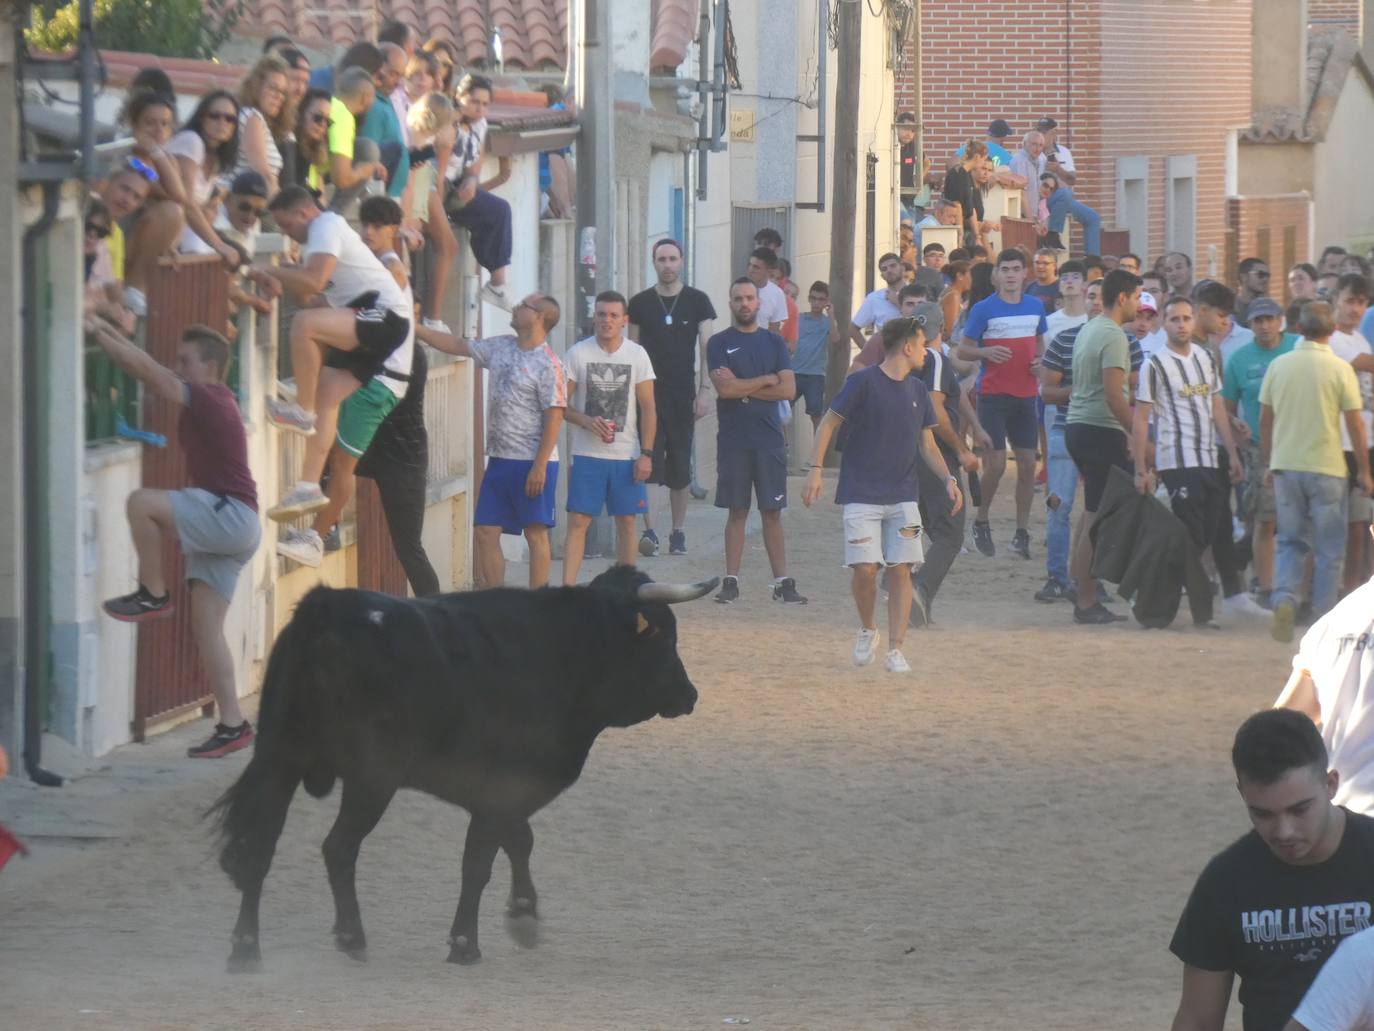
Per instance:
(249,183)
(999,129)
(931,318)
(1262,306)
(1046,123)
(1147,302)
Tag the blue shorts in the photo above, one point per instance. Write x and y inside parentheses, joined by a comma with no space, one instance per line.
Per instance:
(1008,418)
(762,472)
(609,483)
(812,390)
(502,501)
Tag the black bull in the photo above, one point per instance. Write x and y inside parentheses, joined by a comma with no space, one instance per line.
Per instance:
(490,700)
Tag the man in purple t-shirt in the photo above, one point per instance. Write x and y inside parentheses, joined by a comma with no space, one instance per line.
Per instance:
(891,420)
(215,519)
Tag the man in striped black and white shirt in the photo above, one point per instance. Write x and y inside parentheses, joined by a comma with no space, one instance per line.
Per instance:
(1180,386)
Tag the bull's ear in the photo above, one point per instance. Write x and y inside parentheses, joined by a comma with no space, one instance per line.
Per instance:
(642,626)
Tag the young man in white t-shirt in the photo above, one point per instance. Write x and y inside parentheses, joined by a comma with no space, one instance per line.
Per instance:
(1348,343)
(1333,683)
(334,349)
(1342,996)
(772,301)
(611,409)
(362,413)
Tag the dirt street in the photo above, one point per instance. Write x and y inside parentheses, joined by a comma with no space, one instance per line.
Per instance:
(1002,839)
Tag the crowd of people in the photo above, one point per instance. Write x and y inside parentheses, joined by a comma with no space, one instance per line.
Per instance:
(1248,412)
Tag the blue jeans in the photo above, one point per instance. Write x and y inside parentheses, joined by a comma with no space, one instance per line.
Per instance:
(1063,483)
(1311,517)
(1062,206)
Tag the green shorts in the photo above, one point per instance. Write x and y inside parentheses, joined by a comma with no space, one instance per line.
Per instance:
(362,413)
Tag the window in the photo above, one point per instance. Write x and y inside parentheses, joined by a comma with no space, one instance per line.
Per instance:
(1180,204)
(1133,200)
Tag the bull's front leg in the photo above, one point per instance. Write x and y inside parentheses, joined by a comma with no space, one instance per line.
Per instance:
(479,852)
(522,911)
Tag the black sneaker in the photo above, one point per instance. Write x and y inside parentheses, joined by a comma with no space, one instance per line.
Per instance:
(982,539)
(1098,615)
(729,590)
(648,544)
(677,543)
(223,741)
(1103,595)
(333,541)
(139,607)
(785,590)
(1020,543)
(1052,591)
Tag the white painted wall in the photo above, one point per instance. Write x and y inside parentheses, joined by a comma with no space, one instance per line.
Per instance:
(1344,203)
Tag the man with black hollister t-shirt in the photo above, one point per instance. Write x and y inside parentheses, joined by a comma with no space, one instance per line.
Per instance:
(1273,907)
(672,321)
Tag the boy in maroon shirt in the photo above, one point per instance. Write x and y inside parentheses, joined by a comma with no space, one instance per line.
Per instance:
(215,519)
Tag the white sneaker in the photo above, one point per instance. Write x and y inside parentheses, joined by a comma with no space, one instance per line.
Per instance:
(496,295)
(896,662)
(302,498)
(136,301)
(291,416)
(303,546)
(865,646)
(438,325)
(1242,606)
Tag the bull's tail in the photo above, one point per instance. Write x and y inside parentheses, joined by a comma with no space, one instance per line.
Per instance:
(251,813)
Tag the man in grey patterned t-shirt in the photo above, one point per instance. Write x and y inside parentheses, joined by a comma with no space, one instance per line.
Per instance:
(528,394)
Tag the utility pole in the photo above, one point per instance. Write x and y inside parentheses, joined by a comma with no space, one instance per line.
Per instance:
(595,98)
(845,194)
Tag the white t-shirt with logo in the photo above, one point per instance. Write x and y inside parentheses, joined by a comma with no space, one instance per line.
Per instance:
(356,270)
(1338,654)
(1342,996)
(1350,346)
(604,386)
(1181,388)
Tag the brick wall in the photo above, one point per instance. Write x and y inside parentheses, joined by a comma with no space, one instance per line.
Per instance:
(1124,78)
(1272,228)
(1334,12)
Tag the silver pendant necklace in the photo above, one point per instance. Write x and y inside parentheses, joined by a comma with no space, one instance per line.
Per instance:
(668,312)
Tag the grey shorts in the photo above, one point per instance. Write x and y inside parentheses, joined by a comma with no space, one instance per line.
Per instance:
(218,537)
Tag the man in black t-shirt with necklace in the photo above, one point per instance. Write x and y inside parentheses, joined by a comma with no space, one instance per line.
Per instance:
(1272,907)
(672,321)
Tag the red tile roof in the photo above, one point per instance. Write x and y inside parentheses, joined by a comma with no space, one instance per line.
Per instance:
(533,32)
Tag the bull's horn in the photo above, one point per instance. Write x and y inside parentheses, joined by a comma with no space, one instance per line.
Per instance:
(671,594)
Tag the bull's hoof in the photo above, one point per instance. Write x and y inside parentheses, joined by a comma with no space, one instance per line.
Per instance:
(522,922)
(245,958)
(353,945)
(462,951)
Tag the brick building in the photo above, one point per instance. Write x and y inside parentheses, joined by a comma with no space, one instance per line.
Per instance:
(1150,96)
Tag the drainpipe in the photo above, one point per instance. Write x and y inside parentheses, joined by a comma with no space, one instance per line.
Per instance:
(35,534)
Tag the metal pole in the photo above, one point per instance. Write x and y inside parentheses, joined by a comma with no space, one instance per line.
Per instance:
(704,97)
(595,161)
(845,190)
(85,48)
(823,45)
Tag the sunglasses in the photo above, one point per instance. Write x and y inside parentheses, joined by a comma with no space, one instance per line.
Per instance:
(244,207)
(221,116)
(1261,275)
(96,228)
(147,171)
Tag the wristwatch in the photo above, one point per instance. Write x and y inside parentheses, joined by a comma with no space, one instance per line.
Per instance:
(646,452)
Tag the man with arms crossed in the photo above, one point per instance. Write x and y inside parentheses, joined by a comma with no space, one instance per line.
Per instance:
(1007,333)
(611,406)
(891,423)
(527,397)
(672,322)
(752,371)
(1272,907)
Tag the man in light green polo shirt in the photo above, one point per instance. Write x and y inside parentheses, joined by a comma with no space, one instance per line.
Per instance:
(1303,399)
